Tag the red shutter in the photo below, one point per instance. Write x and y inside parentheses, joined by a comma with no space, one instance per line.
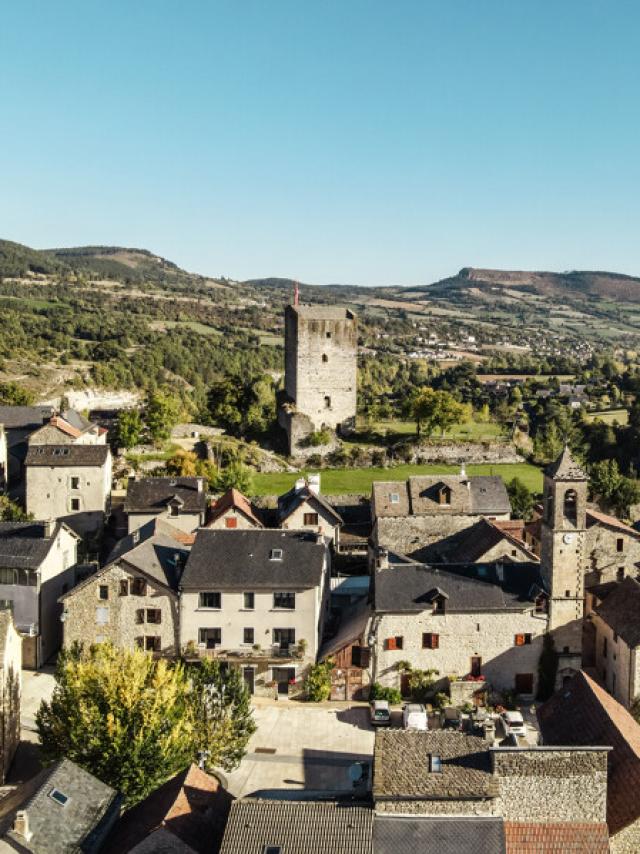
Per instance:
(391,643)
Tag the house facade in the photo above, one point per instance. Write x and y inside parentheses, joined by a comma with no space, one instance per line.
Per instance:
(256,598)
(10,691)
(181,501)
(481,622)
(133,600)
(423,517)
(233,510)
(37,565)
(20,422)
(69,428)
(71,483)
(304,509)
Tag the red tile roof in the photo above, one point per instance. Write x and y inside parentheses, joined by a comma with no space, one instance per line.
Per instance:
(232,499)
(557,838)
(65,427)
(595,516)
(583,713)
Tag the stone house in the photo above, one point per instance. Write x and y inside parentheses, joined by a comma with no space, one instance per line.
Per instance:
(61,809)
(304,509)
(69,428)
(182,501)
(258,599)
(612,638)
(38,562)
(583,713)
(19,422)
(321,346)
(10,691)
(71,483)
(233,510)
(488,541)
(475,620)
(133,600)
(446,773)
(423,516)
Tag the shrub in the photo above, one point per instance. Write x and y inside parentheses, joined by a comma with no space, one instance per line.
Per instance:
(318,682)
(379,692)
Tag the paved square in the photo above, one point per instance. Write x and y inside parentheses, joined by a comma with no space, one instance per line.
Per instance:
(303,746)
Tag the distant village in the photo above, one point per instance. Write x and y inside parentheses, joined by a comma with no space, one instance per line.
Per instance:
(485,668)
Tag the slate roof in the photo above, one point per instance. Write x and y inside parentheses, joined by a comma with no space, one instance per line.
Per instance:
(233,499)
(405,586)
(153,494)
(621,611)
(458,835)
(552,838)
(23,417)
(79,825)
(67,455)
(294,498)
(401,766)
(191,807)
(565,468)
(234,558)
(584,714)
(24,545)
(353,624)
(418,496)
(299,827)
(481,537)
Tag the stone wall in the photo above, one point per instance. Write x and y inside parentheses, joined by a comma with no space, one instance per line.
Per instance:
(604,559)
(466,452)
(471,807)
(616,665)
(626,841)
(552,785)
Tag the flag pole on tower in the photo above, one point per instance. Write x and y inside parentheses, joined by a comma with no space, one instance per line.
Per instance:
(296,294)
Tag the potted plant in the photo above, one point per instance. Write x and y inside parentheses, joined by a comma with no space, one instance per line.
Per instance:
(302,647)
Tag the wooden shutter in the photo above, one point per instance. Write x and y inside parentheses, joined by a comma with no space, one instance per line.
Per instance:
(519,640)
(391,643)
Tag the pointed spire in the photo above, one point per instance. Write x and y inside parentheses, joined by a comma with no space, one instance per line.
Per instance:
(565,467)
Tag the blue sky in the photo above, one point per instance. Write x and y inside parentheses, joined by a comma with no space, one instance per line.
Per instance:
(351,141)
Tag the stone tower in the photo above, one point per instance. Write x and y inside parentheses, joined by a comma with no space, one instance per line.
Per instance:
(321,345)
(563,554)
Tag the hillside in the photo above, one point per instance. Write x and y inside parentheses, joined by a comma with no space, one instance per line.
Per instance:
(575,283)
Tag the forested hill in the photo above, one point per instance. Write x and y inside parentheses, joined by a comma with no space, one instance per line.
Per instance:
(575,283)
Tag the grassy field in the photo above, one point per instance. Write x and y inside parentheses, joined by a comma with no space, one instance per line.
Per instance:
(608,416)
(470,431)
(340,481)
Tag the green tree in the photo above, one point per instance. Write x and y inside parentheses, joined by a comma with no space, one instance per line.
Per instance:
(12,512)
(161,415)
(521,499)
(433,410)
(318,682)
(128,428)
(121,715)
(12,394)
(222,713)
(234,476)
(548,443)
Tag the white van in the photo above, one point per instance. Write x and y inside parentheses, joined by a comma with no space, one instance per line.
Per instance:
(414,716)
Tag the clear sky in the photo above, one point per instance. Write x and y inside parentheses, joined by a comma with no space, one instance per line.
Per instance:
(348,141)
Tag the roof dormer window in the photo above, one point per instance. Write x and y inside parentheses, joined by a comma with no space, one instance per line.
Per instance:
(394,498)
(275,554)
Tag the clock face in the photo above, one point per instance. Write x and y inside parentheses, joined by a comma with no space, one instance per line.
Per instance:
(568,538)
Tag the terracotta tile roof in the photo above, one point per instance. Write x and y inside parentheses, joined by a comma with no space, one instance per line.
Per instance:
(595,517)
(65,427)
(515,527)
(557,838)
(582,713)
(233,499)
(192,806)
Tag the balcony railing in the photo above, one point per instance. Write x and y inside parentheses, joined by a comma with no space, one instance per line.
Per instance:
(273,651)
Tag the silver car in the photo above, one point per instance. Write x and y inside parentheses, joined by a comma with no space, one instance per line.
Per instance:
(379,713)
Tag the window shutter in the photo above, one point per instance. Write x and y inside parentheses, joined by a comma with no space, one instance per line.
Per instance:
(140,616)
(435,641)
(391,643)
(519,640)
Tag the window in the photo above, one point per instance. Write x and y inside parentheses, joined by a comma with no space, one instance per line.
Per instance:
(124,587)
(328,335)
(620,544)
(139,616)
(435,763)
(394,498)
(248,636)
(210,600)
(154,615)
(140,642)
(567,594)
(310,518)
(152,643)
(231,522)
(275,849)
(284,638)
(59,797)
(360,656)
(103,591)
(522,640)
(139,587)
(396,642)
(75,483)
(249,601)
(438,605)
(75,503)
(8,576)
(620,573)
(430,640)
(174,509)
(444,495)
(102,616)
(540,604)
(327,402)
(284,600)
(211,638)
(275,554)
(325,358)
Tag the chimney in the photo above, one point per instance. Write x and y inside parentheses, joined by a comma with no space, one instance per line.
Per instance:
(48,527)
(383,559)
(21,825)
(300,484)
(200,484)
(319,537)
(314,484)
(500,572)
(463,471)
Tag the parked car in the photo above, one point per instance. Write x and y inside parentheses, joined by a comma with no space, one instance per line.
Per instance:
(451,718)
(414,716)
(513,723)
(379,713)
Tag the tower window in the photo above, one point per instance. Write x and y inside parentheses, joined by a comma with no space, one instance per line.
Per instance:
(571,506)
(327,402)
(620,544)
(328,334)
(325,358)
